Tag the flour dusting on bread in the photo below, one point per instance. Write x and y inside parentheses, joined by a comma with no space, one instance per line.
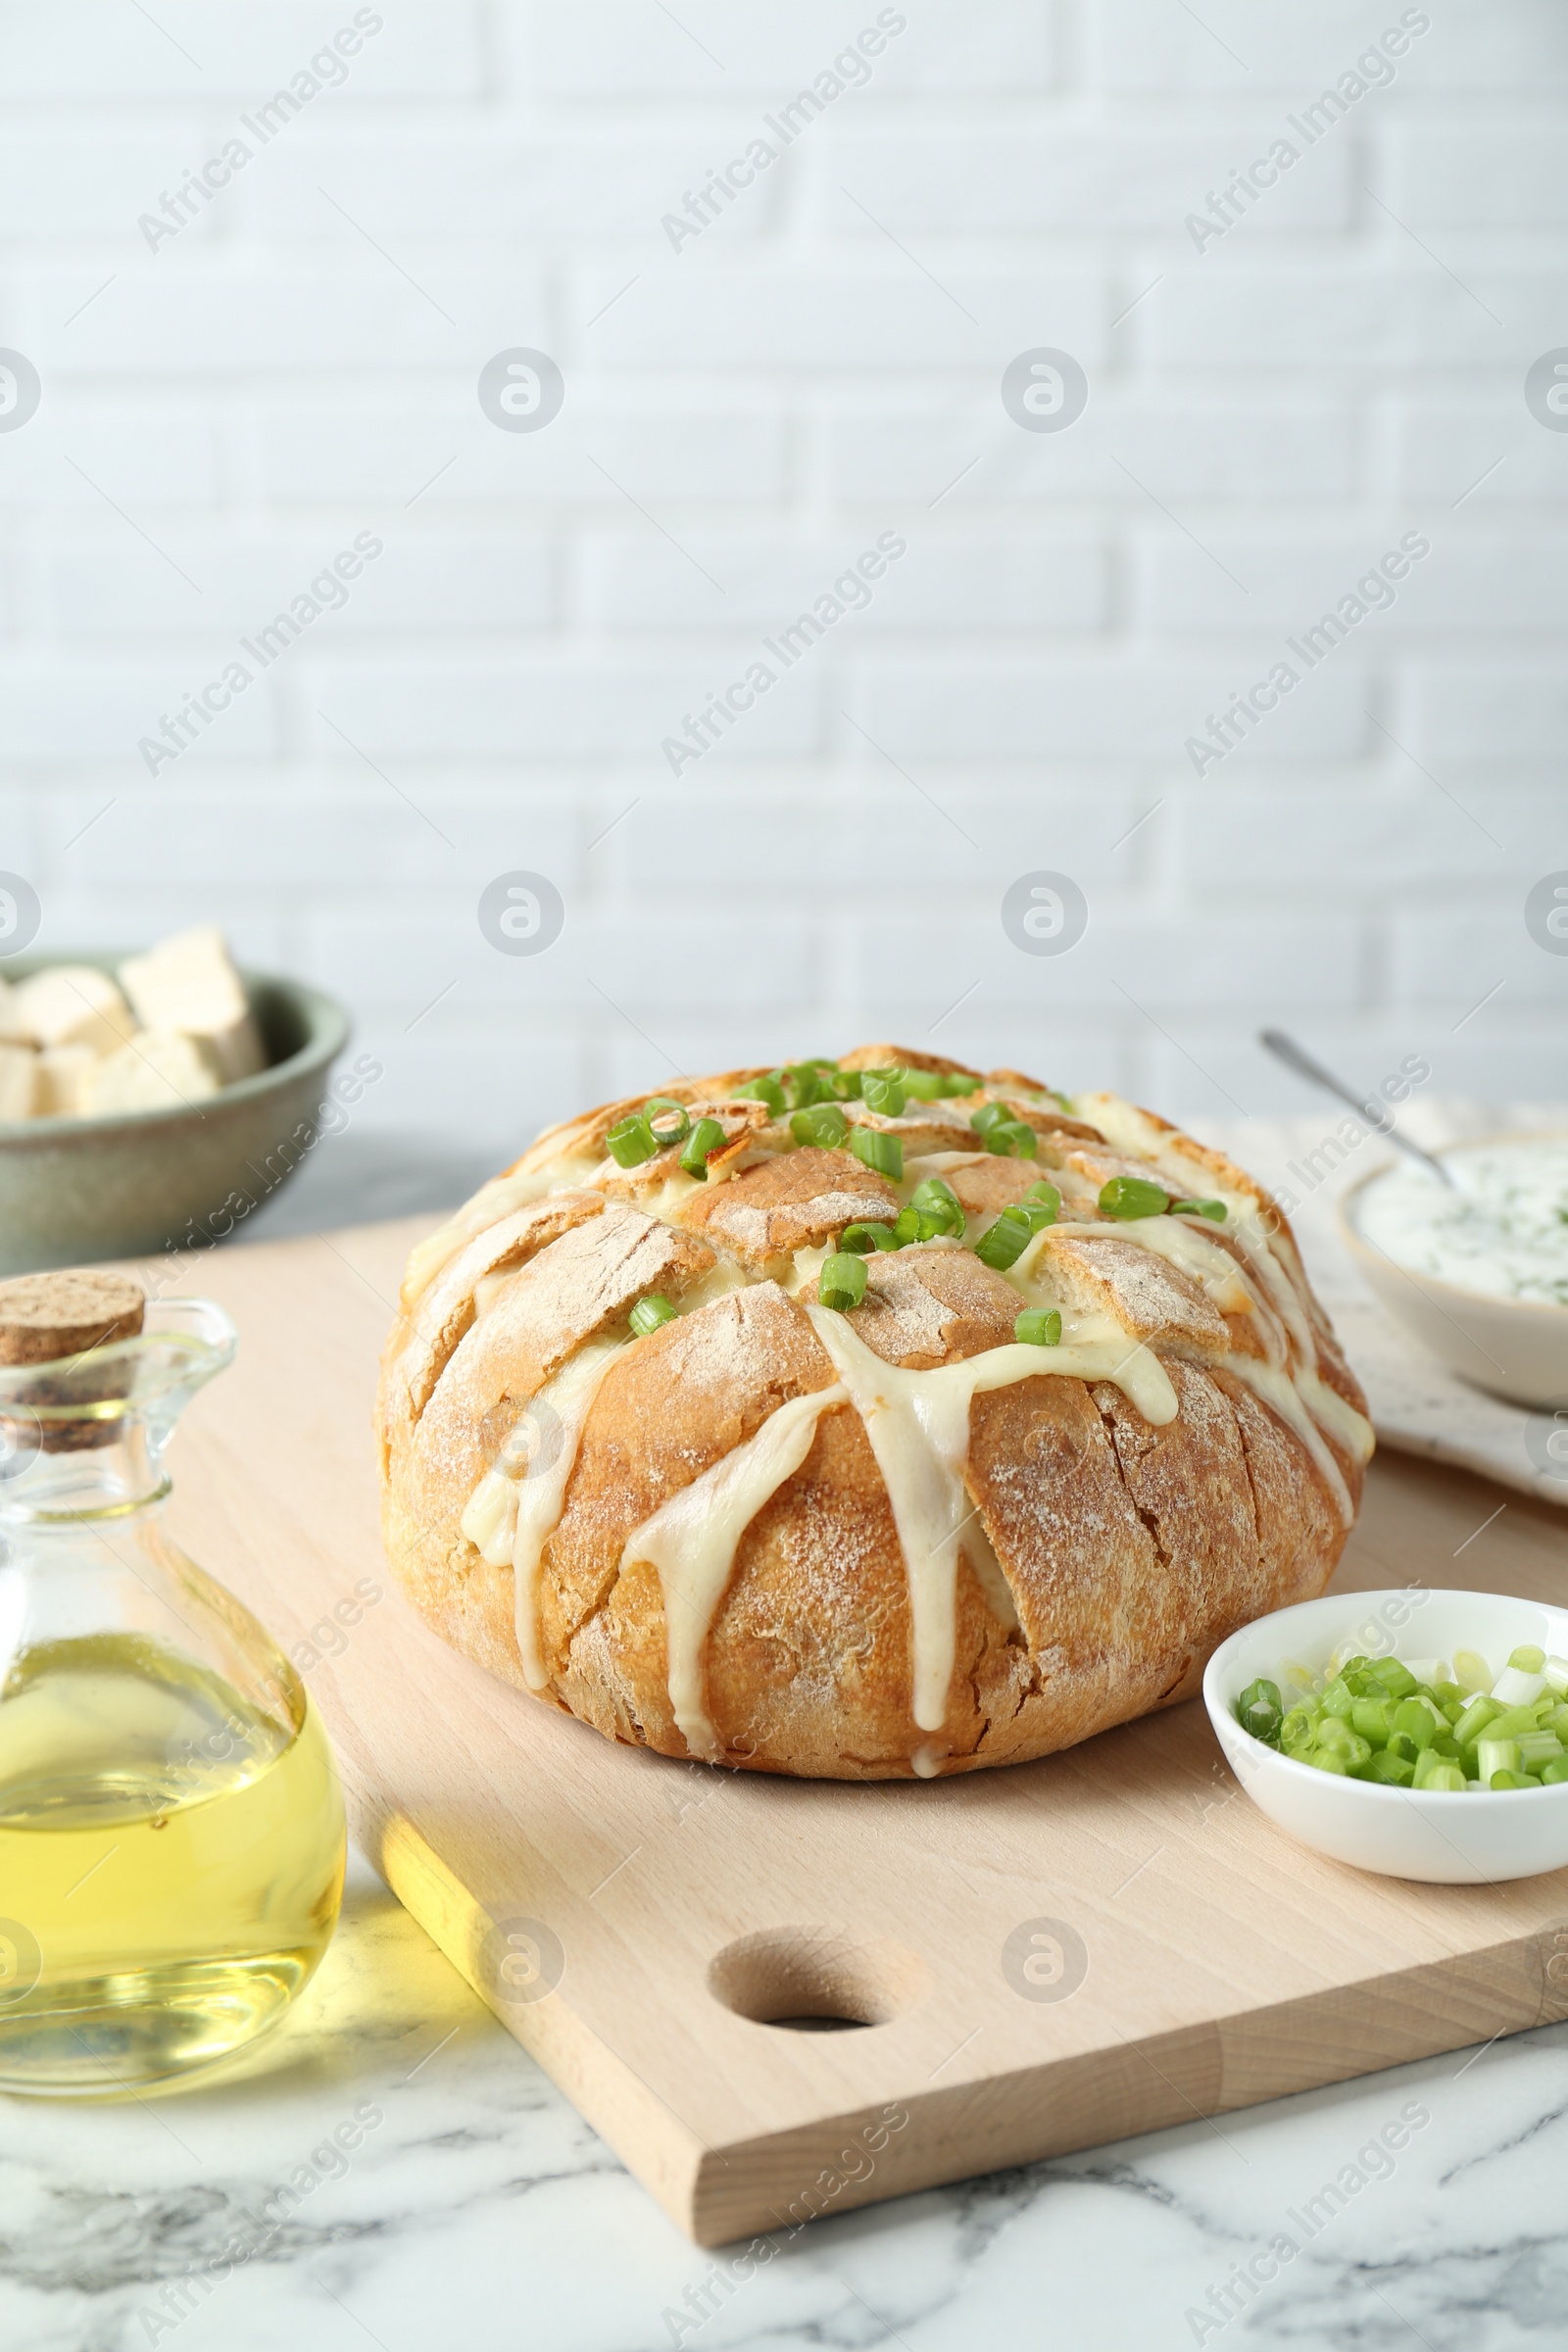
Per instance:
(1076,1417)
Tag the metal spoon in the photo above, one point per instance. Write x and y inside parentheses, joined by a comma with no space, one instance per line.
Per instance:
(1285,1048)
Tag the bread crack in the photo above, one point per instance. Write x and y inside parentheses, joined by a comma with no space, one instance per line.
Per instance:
(1103,1395)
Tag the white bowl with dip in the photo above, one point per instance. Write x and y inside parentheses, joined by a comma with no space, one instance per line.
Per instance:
(1471,1839)
(1480,1275)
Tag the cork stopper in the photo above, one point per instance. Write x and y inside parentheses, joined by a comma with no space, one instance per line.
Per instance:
(46,1316)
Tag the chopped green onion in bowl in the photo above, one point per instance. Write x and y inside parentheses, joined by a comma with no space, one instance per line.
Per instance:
(1411,1725)
(1376,1753)
(1261,1711)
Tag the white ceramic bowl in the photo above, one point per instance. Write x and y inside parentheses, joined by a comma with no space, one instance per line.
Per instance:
(1467,1840)
(1514,1347)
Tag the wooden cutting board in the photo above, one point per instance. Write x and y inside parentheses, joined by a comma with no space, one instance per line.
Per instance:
(1059,1953)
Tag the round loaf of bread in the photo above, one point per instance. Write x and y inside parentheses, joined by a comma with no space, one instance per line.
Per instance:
(632,1462)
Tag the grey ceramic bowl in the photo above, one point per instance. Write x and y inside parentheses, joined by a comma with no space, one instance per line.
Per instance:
(75,1190)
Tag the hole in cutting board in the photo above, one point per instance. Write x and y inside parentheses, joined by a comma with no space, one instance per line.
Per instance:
(816,2025)
(816,1979)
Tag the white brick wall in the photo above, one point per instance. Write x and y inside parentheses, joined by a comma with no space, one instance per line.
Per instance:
(742,417)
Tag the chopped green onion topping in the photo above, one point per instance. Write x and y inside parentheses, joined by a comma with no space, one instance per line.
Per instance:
(808,1082)
(1015,1137)
(768,1089)
(1038,1327)
(650,1313)
(1214,1210)
(841,1283)
(704,1138)
(823,1123)
(883,1153)
(1003,1244)
(1064,1100)
(669,1121)
(1132,1197)
(989,1114)
(959,1082)
(1044,1195)
(631,1141)
(913,1224)
(882,1091)
(926,1086)
(846,1085)
(862,1237)
(936,1200)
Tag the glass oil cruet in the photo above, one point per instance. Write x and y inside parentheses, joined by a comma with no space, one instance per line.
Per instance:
(172,1841)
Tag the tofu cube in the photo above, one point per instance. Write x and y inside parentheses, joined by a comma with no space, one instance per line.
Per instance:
(18,1082)
(73,1005)
(65,1075)
(158,1071)
(188,982)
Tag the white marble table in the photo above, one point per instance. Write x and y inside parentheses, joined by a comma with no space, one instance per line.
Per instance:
(478,2208)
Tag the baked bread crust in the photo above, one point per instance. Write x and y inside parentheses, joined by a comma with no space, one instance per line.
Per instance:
(1108,1545)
